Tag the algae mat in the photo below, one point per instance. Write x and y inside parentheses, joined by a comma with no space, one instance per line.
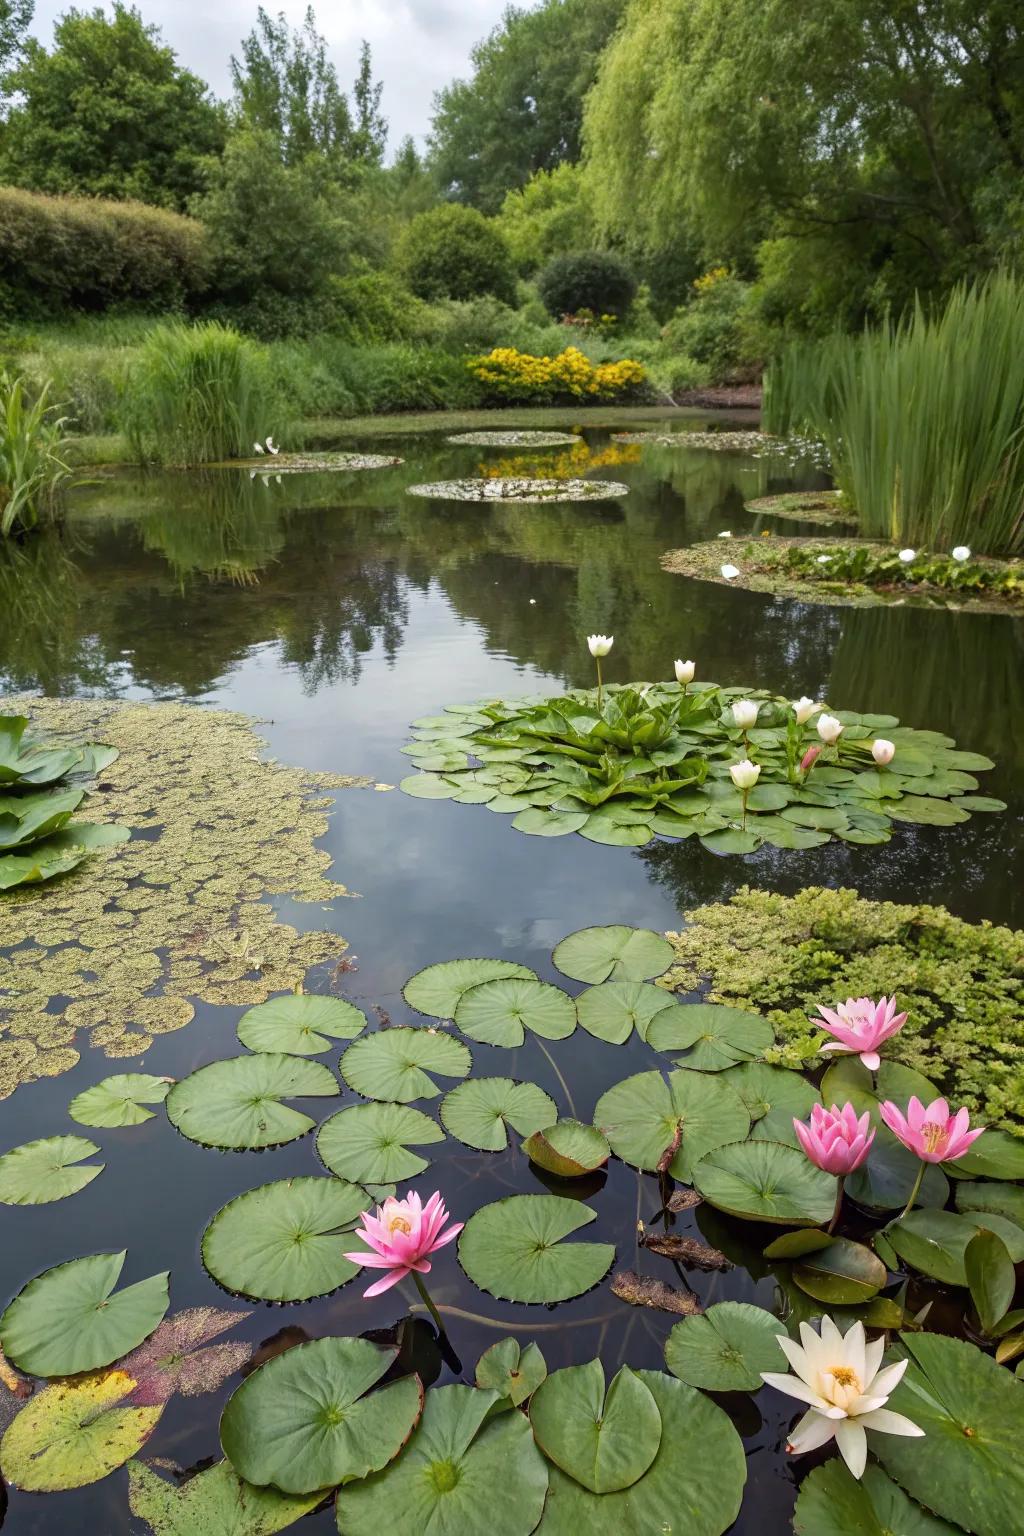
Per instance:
(117,952)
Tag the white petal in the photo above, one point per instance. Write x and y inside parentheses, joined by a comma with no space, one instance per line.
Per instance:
(856,1350)
(873,1353)
(793,1387)
(853,1446)
(885,1382)
(889,1423)
(797,1358)
(812,1431)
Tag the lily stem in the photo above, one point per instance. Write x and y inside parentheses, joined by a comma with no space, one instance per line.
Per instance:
(914,1192)
(435,1314)
(839,1204)
(597,663)
(745,793)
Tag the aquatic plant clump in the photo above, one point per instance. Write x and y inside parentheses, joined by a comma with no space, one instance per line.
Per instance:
(736,767)
(824,507)
(310,463)
(515,439)
(512,489)
(33,473)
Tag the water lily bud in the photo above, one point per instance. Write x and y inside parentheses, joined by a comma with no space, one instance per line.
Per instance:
(804,708)
(745,774)
(600,645)
(744,712)
(730,572)
(961,553)
(809,759)
(908,555)
(829,728)
(883,751)
(685,671)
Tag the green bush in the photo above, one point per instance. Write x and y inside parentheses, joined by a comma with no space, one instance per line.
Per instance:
(198,394)
(711,327)
(67,253)
(405,377)
(587,280)
(375,307)
(452,252)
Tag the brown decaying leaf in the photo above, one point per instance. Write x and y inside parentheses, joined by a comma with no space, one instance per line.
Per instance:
(665,1160)
(683,1200)
(685,1250)
(171,1360)
(640,1291)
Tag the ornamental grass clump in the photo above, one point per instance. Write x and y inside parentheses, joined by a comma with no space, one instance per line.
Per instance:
(33,473)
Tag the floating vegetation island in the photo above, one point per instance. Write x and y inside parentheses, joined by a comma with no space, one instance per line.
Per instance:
(824,507)
(511,489)
(519,439)
(310,463)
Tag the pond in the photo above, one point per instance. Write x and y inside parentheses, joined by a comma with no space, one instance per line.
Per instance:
(337,609)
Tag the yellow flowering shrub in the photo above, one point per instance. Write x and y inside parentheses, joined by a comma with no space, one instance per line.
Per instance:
(511,375)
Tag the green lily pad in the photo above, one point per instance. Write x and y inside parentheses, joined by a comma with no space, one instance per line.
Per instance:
(119,1100)
(613,954)
(935,1242)
(542,823)
(843,1274)
(436,989)
(711,1035)
(75,1432)
(884,1182)
(991,1278)
(925,811)
(300,1024)
(461,1472)
(70,1318)
(511,1370)
(479,1113)
(513,1249)
(766,1181)
(615,834)
(236,1103)
(285,1241)
(213,1503)
(429,786)
(649,1121)
(308,1418)
(996,1155)
(793,1245)
(394,1064)
(725,840)
(774,1098)
(613,1009)
(604,1441)
(50,1169)
(694,1487)
(727,1349)
(499,1012)
(55,855)
(968,1467)
(999,1199)
(369,1143)
(567,1148)
(833,1503)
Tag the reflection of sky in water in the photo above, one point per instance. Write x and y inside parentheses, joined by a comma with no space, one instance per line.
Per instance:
(338,610)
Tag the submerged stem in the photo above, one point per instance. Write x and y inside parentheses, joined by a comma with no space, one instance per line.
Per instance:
(554,1067)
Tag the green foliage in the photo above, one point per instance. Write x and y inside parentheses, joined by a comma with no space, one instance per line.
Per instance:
(454,252)
(879,567)
(286,87)
(199,394)
(548,216)
(32,470)
(108,113)
(70,1319)
(711,328)
(597,281)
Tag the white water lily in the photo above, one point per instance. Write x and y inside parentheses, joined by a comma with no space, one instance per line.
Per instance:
(685,672)
(843,1381)
(907,555)
(745,774)
(744,712)
(726,533)
(600,645)
(883,751)
(829,729)
(804,708)
(730,572)
(824,560)
(961,552)
(258,448)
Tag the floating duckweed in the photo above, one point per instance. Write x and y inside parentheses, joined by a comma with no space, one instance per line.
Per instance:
(522,439)
(521,489)
(310,463)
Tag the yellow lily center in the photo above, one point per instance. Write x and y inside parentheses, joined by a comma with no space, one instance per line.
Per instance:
(399,1224)
(844,1376)
(933,1135)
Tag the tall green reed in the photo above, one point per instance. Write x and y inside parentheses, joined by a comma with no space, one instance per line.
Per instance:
(32,472)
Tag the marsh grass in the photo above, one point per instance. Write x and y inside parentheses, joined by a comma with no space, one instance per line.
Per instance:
(32,468)
(924,419)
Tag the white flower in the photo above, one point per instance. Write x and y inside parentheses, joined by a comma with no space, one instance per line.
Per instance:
(685,671)
(730,572)
(744,712)
(271,447)
(258,448)
(600,645)
(804,708)
(745,774)
(824,559)
(883,751)
(961,553)
(829,728)
(841,1379)
(726,533)
(907,555)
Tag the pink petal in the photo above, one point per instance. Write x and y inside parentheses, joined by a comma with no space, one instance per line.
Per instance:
(871,1060)
(446,1237)
(380,1286)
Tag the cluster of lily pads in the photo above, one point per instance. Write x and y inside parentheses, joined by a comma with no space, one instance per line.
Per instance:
(520,488)
(624,764)
(346,1416)
(41,788)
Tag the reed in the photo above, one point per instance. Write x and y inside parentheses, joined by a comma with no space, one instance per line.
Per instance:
(32,470)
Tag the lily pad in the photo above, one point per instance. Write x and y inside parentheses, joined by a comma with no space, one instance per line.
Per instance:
(884,1182)
(996,1155)
(544,823)
(119,1100)
(499,1012)
(178,1356)
(285,1241)
(935,1242)
(394,1064)
(436,989)
(213,1503)
(843,1274)
(651,1122)
(50,1169)
(369,1143)
(613,1009)
(70,1318)
(300,1024)
(604,1441)
(774,1098)
(308,1418)
(75,1432)
(833,1503)
(480,1112)
(766,1181)
(513,1249)
(999,1199)
(727,1349)
(694,1486)
(236,1103)
(568,1149)
(512,1370)
(461,1472)
(968,1467)
(712,1036)
(613,954)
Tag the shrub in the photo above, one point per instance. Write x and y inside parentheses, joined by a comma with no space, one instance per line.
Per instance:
(32,472)
(86,253)
(404,377)
(710,328)
(452,252)
(547,217)
(510,375)
(587,280)
(375,307)
(199,394)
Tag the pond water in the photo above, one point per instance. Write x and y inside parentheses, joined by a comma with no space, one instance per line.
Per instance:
(338,609)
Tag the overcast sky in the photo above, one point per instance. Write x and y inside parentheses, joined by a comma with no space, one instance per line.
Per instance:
(418,45)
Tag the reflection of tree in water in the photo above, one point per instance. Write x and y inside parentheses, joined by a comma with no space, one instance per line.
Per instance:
(228,529)
(42,644)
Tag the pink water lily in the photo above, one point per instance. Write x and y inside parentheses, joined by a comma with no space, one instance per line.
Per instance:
(932,1133)
(860,1026)
(836,1140)
(401,1234)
